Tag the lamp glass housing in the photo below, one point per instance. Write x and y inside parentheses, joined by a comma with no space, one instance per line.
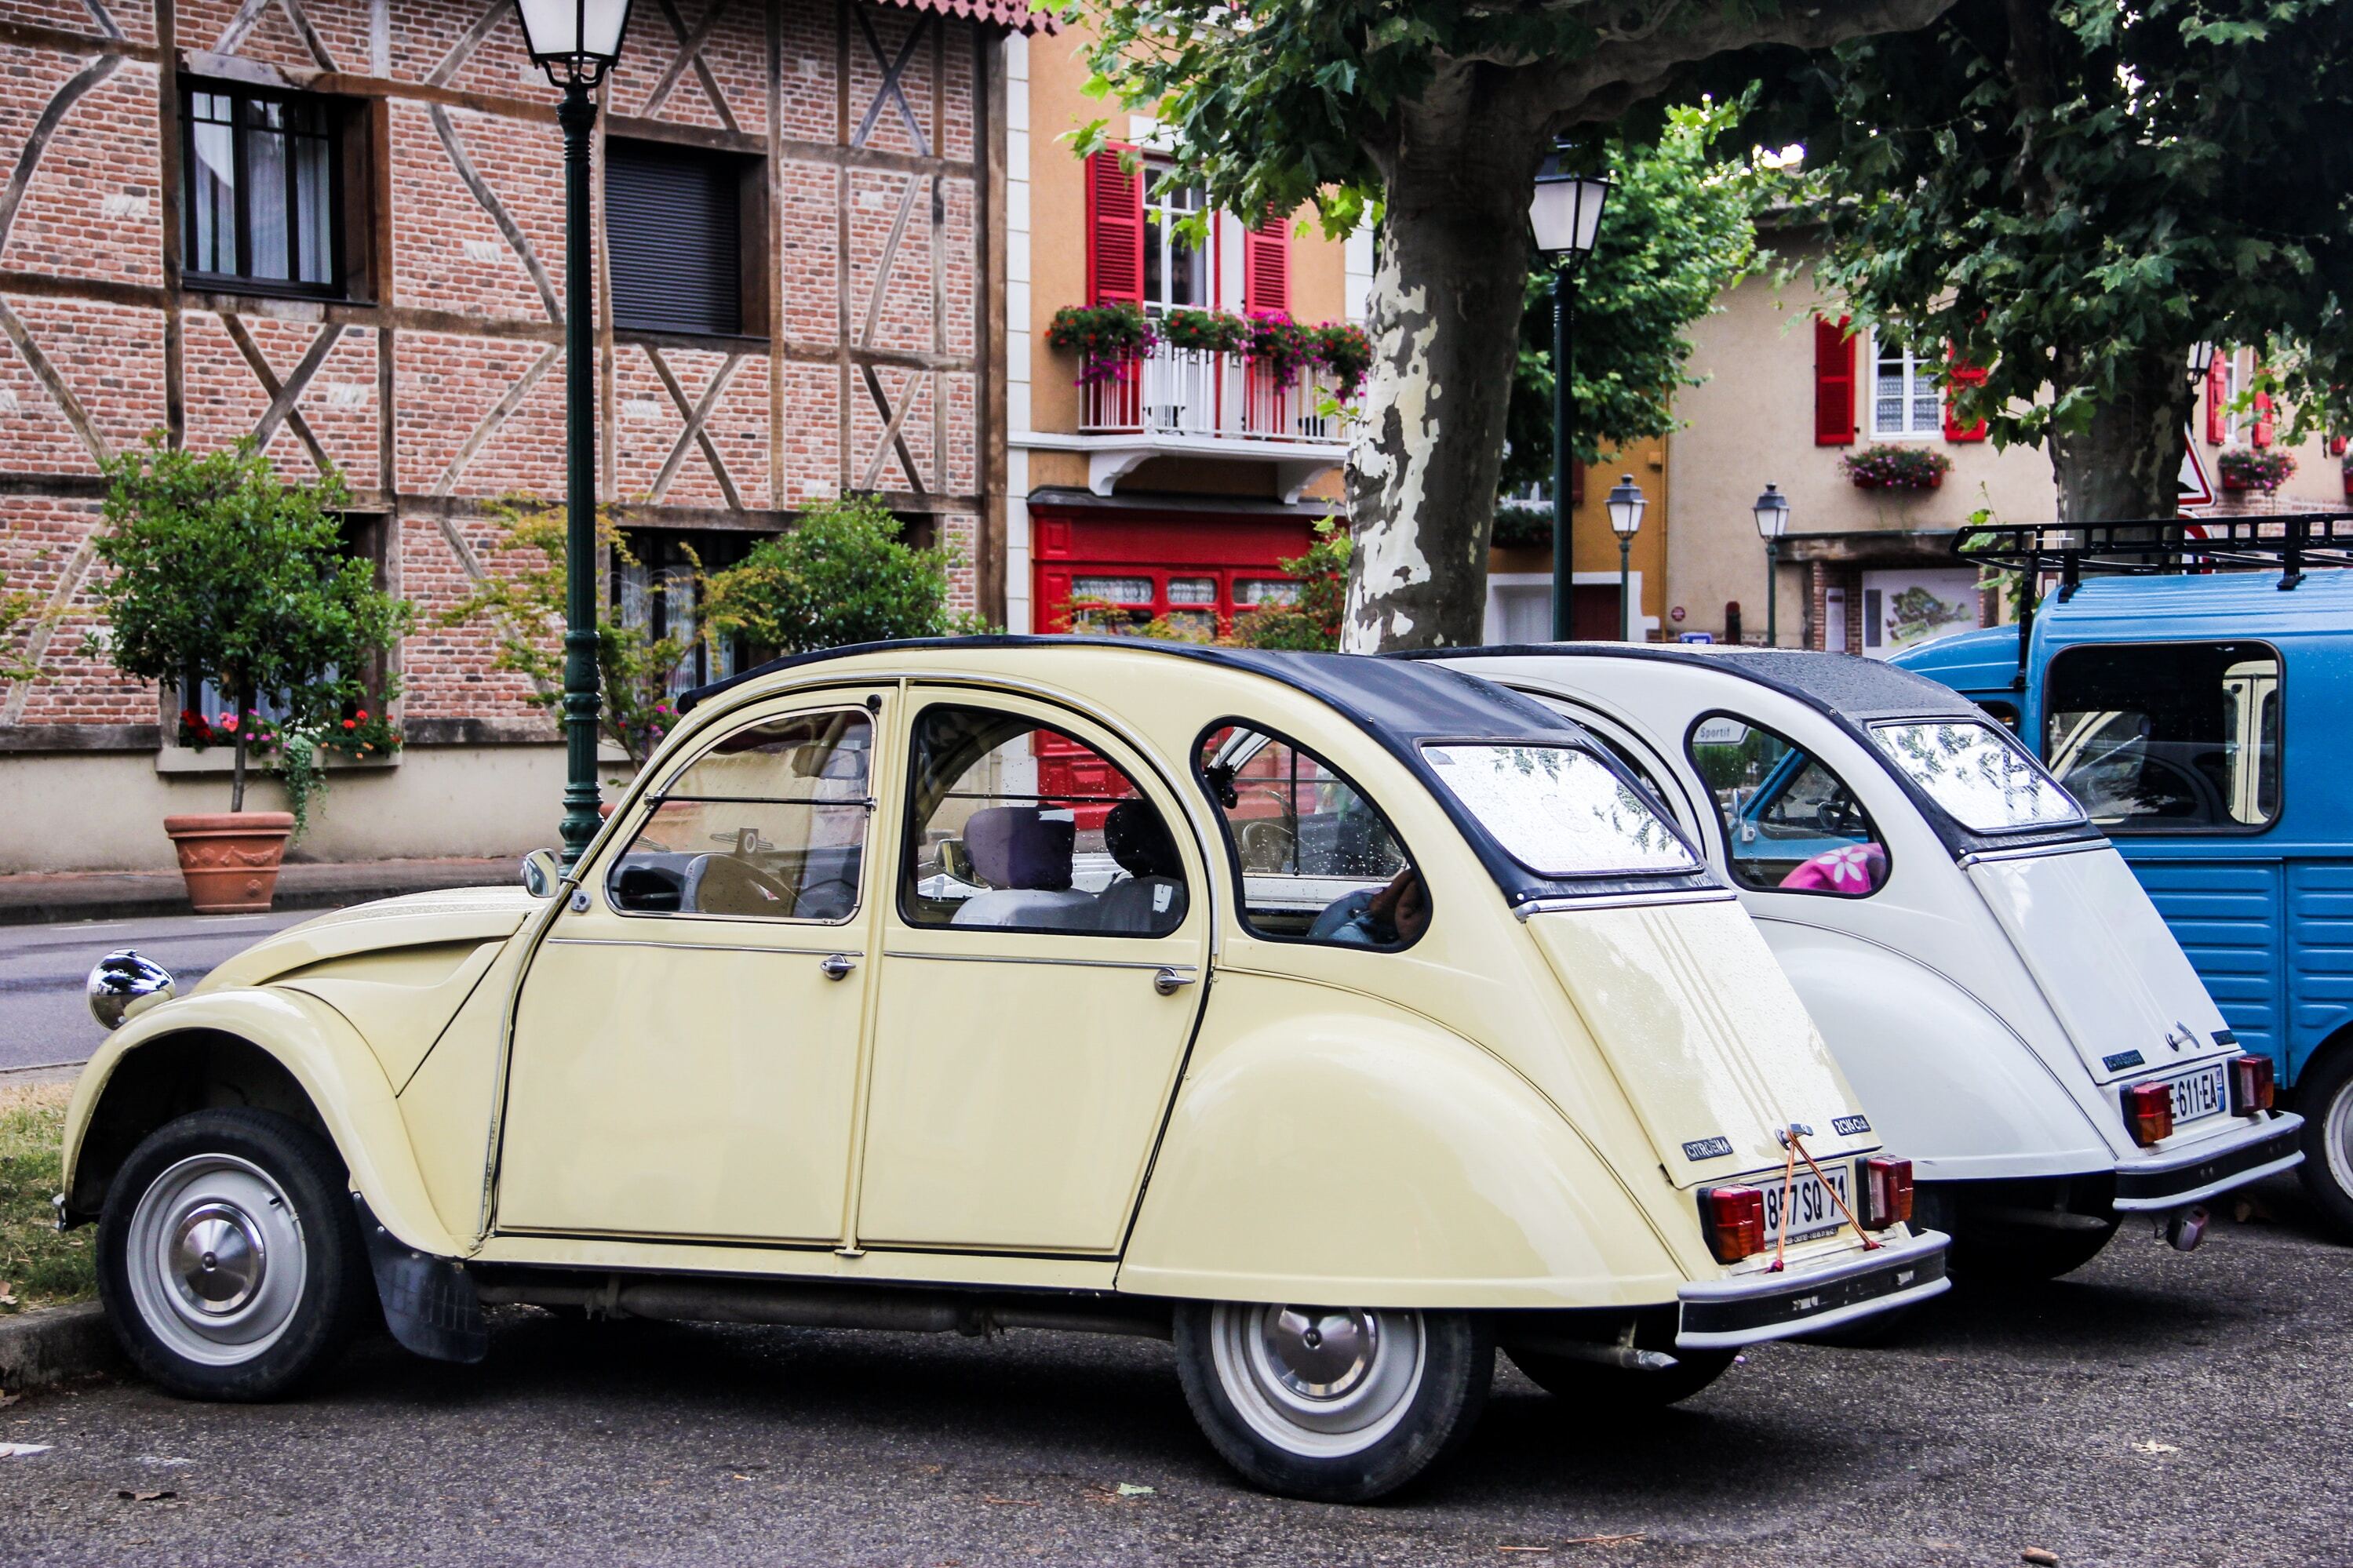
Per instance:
(576,40)
(2202,360)
(1565,211)
(1625,505)
(1772,512)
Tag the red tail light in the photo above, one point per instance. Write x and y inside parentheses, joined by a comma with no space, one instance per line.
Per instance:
(2149,1111)
(1734,1218)
(2251,1085)
(1886,1191)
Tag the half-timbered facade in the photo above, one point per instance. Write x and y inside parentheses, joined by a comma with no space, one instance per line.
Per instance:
(337,226)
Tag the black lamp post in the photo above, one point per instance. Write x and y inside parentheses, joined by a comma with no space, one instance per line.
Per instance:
(1627,504)
(1772,512)
(575,42)
(1567,216)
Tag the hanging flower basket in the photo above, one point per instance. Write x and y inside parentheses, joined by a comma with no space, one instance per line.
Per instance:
(1106,338)
(1203,332)
(2255,469)
(1347,354)
(1887,467)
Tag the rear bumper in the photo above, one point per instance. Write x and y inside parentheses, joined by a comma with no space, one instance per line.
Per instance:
(2211,1167)
(1719,1314)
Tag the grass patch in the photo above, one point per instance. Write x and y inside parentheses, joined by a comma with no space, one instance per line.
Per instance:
(38,1268)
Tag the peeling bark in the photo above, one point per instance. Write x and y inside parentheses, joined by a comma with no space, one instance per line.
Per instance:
(2126,463)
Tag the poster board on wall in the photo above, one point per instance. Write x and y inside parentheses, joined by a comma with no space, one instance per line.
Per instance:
(1907,607)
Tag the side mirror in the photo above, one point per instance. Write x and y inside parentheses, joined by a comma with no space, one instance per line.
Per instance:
(541,873)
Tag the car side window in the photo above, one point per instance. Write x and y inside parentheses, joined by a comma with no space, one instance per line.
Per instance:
(1790,824)
(766,823)
(1316,861)
(1016,826)
(2168,737)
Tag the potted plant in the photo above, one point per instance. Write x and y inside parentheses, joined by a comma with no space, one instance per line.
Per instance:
(220,570)
(2261,469)
(1891,468)
(1106,338)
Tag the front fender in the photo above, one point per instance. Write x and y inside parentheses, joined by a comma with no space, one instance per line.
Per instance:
(1325,1146)
(330,1063)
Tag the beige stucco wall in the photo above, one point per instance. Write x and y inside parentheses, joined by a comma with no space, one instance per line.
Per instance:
(103,811)
(1751,423)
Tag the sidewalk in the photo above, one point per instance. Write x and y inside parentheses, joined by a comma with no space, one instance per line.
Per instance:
(135,895)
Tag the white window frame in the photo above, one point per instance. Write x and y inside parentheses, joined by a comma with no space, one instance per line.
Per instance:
(2238,424)
(1160,220)
(1917,373)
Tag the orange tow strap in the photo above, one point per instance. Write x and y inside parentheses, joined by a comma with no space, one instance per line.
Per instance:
(1788,1183)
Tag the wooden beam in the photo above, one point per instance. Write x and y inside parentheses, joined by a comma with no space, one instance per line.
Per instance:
(61,40)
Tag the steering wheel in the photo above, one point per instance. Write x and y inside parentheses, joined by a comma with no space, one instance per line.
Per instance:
(735,886)
(819,910)
(1839,814)
(1266,844)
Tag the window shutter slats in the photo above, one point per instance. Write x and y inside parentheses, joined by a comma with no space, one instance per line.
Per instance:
(1964,374)
(673,235)
(1115,228)
(1834,383)
(1266,267)
(2218,400)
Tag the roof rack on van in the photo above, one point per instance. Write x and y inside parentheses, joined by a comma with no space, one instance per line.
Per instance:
(2289,541)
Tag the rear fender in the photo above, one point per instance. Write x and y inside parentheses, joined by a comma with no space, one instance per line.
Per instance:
(1347,1151)
(263,1046)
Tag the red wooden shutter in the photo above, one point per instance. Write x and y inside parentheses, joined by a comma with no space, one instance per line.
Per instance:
(1115,228)
(1963,374)
(1266,267)
(2218,400)
(2262,414)
(1834,383)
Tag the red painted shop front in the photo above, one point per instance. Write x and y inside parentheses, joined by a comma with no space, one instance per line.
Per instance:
(1132,566)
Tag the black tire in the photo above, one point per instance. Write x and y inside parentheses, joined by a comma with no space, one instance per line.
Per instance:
(1286,1440)
(202,1310)
(1591,1384)
(2324,1097)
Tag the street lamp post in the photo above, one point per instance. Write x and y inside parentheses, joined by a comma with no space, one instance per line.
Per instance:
(1567,216)
(1627,505)
(575,42)
(1772,512)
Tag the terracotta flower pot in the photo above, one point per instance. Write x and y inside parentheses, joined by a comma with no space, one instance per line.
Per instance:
(229,859)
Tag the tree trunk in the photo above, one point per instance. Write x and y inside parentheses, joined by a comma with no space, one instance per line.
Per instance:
(1445,324)
(2126,464)
(243,702)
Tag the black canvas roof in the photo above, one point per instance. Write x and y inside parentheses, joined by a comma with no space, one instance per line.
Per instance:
(1839,684)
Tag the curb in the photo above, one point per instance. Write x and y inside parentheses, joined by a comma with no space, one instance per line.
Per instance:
(55,1344)
(140,896)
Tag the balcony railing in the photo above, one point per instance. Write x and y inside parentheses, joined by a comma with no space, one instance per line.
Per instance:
(1189,391)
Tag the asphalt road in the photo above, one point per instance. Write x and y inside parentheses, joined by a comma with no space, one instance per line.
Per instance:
(2156,1409)
(43,1018)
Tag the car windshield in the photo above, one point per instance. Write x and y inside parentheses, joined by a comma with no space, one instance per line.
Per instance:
(1981,776)
(1559,811)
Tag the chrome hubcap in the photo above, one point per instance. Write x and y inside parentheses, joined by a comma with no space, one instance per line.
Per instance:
(216,1259)
(1321,1382)
(2338,1139)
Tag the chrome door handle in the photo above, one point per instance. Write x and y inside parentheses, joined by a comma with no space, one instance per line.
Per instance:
(835,965)
(1166,980)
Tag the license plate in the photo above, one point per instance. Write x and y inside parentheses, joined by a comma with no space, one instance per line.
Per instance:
(2202,1091)
(1810,1208)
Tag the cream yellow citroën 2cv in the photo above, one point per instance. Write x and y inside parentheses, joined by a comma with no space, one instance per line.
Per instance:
(1338,1019)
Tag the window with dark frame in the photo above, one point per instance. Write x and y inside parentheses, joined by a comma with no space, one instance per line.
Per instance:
(657,594)
(263,192)
(683,230)
(365,538)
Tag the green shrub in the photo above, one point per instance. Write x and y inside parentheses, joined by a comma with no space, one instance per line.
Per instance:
(841,575)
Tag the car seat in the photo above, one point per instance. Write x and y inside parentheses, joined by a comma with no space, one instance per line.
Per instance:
(1024,853)
(1151,902)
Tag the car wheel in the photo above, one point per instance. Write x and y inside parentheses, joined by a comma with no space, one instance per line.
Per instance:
(1590,1383)
(230,1256)
(1333,1404)
(2326,1097)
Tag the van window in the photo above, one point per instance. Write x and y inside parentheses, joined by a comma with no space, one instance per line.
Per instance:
(1317,862)
(1790,825)
(1014,825)
(2168,737)
(766,823)
(1978,773)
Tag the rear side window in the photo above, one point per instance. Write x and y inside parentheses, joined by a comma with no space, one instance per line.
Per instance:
(2168,737)
(1978,773)
(1558,811)
(1790,824)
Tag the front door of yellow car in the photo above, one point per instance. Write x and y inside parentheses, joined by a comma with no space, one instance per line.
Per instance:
(1044,955)
(686,1046)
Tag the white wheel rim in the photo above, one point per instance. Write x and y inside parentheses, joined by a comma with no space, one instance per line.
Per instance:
(1319,1382)
(2338,1140)
(216,1259)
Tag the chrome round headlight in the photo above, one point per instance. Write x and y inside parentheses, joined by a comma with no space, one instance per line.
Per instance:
(125,985)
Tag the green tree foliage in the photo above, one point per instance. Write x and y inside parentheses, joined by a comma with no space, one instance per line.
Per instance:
(1678,230)
(841,575)
(2074,192)
(18,613)
(523,602)
(221,569)
(1430,117)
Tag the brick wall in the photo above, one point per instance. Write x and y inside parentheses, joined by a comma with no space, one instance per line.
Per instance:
(443,391)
